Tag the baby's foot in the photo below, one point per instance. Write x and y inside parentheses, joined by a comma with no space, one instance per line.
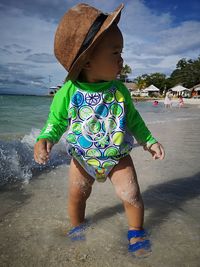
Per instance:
(77,233)
(139,245)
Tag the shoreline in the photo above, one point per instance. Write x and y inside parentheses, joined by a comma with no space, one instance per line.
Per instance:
(190,101)
(138,99)
(34,221)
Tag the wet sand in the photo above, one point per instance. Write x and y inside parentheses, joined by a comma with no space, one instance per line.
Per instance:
(34,220)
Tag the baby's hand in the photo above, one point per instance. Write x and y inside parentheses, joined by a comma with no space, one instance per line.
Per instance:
(157,151)
(41,151)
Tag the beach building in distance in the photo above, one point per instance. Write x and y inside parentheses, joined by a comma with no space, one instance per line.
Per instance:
(152,90)
(195,91)
(133,89)
(181,90)
(131,86)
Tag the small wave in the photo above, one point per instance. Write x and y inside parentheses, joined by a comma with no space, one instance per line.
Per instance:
(17,163)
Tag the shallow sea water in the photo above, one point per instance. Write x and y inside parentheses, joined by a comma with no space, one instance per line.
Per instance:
(34,220)
(22,118)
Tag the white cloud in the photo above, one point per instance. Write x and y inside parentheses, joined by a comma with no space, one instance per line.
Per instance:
(179,40)
(28,38)
(41,58)
(139,20)
(30,32)
(153,43)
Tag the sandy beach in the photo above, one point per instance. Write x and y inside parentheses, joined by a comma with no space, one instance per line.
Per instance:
(34,220)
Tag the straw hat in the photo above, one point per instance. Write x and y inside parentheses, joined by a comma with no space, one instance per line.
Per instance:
(78,31)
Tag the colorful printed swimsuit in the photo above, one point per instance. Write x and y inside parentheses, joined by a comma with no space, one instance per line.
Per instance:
(100,120)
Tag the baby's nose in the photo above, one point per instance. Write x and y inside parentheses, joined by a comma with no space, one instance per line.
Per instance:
(121,59)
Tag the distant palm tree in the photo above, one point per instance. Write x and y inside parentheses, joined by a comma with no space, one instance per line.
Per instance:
(124,73)
(140,82)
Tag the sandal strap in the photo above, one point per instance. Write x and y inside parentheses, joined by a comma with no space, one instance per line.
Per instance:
(77,229)
(136,233)
(144,244)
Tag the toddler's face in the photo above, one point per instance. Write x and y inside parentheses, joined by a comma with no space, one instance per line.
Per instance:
(106,62)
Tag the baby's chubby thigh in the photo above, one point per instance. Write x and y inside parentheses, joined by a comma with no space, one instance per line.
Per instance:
(124,178)
(80,182)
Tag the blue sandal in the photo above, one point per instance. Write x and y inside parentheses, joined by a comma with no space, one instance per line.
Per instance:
(143,244)
(77,232)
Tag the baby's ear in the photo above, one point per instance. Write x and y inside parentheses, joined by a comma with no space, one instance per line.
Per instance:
(87,66)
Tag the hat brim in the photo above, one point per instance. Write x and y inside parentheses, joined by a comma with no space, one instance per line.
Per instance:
(77,66)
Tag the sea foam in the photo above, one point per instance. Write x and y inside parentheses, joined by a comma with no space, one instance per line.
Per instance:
(17,162)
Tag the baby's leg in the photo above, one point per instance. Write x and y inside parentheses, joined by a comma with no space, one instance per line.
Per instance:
(124,179)
(80,187)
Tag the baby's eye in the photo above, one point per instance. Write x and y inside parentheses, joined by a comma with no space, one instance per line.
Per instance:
(117,52)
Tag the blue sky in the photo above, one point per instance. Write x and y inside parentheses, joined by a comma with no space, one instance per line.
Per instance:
(156,35)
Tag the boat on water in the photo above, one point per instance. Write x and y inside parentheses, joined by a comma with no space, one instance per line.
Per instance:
(53,90)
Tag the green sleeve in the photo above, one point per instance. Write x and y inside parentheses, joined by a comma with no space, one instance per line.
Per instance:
(58,120)
(135,123)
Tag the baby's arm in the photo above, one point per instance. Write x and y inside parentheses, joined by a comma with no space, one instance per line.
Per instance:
(56,125)
(42,150)
(139,129)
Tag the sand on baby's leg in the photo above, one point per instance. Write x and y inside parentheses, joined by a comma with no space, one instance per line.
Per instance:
(124,178)
(80,187)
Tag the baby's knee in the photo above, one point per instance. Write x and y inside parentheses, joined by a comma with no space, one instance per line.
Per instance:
(130,194)
(80,190)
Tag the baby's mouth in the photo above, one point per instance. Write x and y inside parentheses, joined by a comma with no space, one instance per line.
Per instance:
(119,71)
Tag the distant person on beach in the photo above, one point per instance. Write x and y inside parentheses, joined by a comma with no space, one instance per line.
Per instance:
(98,114)
(168,101)
(180,101)
(155,103)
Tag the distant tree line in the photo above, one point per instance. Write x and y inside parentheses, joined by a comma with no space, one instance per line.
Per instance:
(187,73)
(124,73)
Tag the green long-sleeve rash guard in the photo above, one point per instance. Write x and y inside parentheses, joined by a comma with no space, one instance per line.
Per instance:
(86,103)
